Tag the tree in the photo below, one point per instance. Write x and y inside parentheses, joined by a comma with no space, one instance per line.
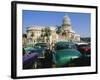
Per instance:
(58,30)
(24,36)
(32,34)
(64,34)
(42,35)
(24,39)
(47,33)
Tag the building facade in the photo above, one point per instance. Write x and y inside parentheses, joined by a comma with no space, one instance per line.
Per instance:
(38,33)
(35,34)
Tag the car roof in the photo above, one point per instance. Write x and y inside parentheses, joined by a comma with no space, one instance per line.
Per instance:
(82,43)
(63,42)
(40,43)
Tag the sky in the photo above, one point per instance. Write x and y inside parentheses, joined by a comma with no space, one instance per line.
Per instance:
(80,21)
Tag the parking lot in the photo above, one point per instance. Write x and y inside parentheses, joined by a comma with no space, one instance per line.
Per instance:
(60,54)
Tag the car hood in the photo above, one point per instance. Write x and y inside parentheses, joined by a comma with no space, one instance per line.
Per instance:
(28,48)
(64,56)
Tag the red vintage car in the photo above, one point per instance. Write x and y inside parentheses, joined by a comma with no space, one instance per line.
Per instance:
(84,48)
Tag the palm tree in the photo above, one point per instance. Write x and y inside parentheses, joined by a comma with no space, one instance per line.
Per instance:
(24,36)
(32,35)
(42,35)
(24,39)
(58,30)
(47,33)
(64,33)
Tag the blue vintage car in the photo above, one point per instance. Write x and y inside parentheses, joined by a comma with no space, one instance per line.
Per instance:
(65,54)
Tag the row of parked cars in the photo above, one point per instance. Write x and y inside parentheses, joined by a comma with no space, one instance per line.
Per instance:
(62,54)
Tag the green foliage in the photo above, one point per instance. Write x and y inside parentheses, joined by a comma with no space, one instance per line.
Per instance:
(86,39)
(32,34)
(24,36)
(58,30)
(46,32)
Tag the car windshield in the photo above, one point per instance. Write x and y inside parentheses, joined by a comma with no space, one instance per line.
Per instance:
(65,46)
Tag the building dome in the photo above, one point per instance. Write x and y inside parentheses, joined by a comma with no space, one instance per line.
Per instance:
(66,25)
(66,20)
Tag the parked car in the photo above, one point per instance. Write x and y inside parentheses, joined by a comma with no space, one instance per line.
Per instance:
(34,56)
(41,48)
(84,48)
(65,53)
(30,57)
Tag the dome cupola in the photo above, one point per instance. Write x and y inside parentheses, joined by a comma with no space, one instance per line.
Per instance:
(66,20)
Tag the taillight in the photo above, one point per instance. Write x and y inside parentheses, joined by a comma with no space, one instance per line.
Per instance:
(86,49)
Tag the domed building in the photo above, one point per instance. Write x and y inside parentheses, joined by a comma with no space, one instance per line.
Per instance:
(67,33)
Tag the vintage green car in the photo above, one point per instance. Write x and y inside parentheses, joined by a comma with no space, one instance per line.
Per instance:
(65,53)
